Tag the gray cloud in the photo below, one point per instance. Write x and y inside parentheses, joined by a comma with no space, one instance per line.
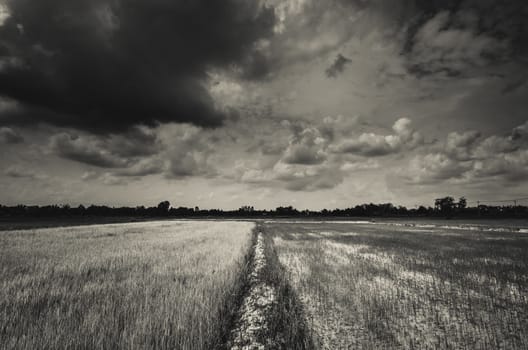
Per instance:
(337,67)
(188,152)
(433,168)
(108,151)
(466,157)
(10,136)
(17,171)
(307,148)
(85,150)
(144,167)
(459,145)
(301,178)
(89,175)
(190,163)
(455,37)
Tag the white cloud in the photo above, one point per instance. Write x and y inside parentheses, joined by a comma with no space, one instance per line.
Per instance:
(372,144)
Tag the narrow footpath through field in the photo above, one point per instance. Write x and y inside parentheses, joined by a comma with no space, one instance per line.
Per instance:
(252,321)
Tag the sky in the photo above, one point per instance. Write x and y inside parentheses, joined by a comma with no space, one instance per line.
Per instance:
(219,104)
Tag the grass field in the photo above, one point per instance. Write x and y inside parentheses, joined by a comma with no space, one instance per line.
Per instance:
(378,286)
(163,285)
(336,285)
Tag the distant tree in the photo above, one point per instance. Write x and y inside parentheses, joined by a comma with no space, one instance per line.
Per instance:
(462,203)
(246,209)
(163,207)
(422,210)
(445,205)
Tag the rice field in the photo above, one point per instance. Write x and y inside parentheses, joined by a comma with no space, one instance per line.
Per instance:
(150,285)
(385,286)
(336,285)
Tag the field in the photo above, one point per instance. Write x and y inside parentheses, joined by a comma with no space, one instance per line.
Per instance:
(168,284)
(267,285)
(386,286)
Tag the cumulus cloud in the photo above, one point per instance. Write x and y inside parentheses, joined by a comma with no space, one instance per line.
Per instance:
(373,145)
(307,147)
(460,145)
(435,167)
(10,136)
(510,166)
(104,65)
(468,157)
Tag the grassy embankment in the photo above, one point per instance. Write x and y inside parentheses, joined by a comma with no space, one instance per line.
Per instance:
(136,286)
(386,287)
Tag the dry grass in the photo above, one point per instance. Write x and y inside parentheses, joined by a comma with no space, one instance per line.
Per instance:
(155,285)
(387,287)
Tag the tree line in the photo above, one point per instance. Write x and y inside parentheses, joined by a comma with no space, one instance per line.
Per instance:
(445,207)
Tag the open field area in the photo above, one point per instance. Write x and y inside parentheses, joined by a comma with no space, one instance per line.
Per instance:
(294,285)
(386,286)
(139,285)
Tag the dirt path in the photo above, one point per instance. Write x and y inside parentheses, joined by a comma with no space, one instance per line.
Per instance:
(261,297)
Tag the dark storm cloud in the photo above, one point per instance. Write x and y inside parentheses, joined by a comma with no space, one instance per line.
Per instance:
(10,136)
(103,65)
(337,67)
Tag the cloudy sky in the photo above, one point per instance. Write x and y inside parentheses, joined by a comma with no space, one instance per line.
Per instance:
(225,103)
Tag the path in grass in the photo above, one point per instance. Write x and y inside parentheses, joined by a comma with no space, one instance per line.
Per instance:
(258,303)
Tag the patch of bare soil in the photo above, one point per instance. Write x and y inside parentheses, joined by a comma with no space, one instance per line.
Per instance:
(252,323)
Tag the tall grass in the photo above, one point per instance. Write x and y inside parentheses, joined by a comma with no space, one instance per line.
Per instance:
(386,287)
(156,285)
